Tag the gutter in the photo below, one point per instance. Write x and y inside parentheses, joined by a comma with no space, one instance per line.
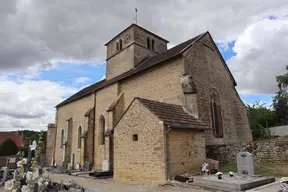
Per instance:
(167,172)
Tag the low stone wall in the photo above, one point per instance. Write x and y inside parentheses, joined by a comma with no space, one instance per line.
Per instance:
(272,152)
(279,131)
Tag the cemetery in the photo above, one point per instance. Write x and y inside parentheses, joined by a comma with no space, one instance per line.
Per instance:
(28,174)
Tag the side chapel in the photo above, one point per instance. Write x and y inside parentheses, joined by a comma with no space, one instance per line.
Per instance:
(155,113)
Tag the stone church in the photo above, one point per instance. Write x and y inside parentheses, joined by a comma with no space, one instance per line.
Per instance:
(155,113)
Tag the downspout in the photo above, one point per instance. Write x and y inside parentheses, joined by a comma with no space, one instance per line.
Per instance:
(94,123)
(167,153)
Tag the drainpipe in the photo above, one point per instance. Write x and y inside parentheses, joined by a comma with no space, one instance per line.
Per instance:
(167,153)
(94,120)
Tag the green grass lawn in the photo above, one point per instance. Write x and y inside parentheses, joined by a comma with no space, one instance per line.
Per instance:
(271,139)
(260,169)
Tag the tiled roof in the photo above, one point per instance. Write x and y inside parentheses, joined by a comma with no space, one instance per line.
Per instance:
(82,93)
(15,136)
(157,59)
(172,115)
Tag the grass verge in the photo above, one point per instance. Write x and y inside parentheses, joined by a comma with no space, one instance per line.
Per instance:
(266,169)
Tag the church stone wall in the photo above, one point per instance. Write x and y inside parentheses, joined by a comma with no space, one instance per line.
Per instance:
(104,98)
(120,63)
(186,151)
(141,161)
(111,46)
(141,39)
(160,83)
(75,110)
(209,73)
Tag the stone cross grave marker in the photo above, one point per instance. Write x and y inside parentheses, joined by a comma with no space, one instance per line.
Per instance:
(245,163)
(105,165)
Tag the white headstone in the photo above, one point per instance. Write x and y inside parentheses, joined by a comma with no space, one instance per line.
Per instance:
(245,163)
(12,160)
(77,166)
(5,174)
(105,165)
(15,175)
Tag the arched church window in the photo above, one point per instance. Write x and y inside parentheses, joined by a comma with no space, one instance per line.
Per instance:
(79,137)
(153,45)
(148,43)
(216,116)
(117,46)
(120,42)
(102,130)
(62,139)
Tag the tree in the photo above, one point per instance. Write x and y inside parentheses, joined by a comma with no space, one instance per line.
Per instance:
(280,101)
(8,147)
(260,117)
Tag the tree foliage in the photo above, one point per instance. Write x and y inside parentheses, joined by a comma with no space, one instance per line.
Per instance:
(8,147)
(260,117)
(280,101)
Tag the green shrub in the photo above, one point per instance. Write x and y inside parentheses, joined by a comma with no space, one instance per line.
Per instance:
(8,147)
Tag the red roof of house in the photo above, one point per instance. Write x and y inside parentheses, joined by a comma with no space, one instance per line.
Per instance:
(13,135)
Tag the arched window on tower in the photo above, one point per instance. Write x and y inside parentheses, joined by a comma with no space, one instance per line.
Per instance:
(148,43)
(120,42)
(217,123)
(79,137)
(102,130)
(62,139)
(153,45)
(117,46)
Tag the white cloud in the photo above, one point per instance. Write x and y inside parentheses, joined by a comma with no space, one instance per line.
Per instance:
(261,54)
(36,32)
(80,80)
(29,103)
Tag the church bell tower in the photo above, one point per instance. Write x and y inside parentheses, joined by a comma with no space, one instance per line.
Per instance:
(130,48)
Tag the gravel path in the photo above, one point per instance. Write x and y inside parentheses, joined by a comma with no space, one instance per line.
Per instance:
(109,185)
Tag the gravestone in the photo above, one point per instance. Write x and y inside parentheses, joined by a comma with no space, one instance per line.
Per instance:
(105,165)
(77,167)
(87,166)
(213,164)
(245,163)
(5,174)
(15,174)
(12,160)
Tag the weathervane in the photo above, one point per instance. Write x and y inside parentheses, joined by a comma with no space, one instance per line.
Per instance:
(136,15)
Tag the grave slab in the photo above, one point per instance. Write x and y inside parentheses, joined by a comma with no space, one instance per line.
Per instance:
(232,184)
(272,187)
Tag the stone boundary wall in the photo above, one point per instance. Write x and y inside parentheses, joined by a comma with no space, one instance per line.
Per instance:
(279,131)
(272,152)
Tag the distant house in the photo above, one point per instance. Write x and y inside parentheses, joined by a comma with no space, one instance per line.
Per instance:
(13,135)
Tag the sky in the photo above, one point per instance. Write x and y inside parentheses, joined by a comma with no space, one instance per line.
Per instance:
(51,49)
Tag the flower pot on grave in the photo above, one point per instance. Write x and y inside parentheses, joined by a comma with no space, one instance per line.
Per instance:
(219,176)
